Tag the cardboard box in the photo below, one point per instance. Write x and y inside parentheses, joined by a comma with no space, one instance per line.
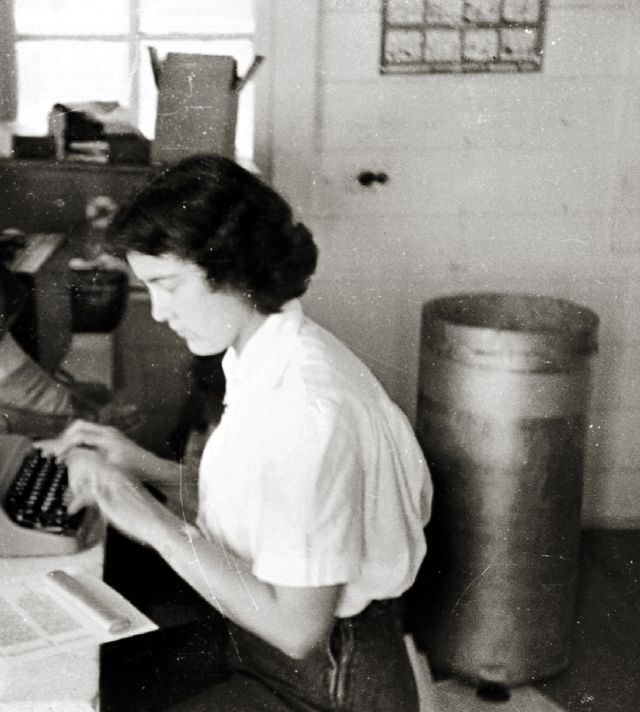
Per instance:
(197,104)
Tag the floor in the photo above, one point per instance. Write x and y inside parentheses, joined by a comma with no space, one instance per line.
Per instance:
(455,697)
(603,675)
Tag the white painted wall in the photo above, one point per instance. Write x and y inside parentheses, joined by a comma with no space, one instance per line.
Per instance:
(510,182)
(526,182)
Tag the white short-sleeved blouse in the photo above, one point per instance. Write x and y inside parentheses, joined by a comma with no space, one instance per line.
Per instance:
(314,475)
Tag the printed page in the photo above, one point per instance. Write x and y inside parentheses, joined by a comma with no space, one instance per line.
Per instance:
(39,618)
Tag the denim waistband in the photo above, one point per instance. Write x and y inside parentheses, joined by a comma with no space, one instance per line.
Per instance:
(361,664)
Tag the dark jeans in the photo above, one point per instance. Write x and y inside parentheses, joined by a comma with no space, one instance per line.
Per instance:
(364,668)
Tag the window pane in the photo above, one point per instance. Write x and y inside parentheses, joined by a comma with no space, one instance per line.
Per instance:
(242,50)
(53,71)
(196,16)
(72,17)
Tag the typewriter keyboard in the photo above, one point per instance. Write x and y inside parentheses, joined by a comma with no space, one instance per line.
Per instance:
(37,496)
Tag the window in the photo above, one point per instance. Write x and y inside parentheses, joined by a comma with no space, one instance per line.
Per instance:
(97,50)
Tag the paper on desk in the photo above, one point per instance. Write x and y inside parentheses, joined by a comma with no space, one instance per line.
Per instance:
(38,621)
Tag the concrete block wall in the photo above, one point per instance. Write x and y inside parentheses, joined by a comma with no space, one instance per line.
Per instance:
(513,182)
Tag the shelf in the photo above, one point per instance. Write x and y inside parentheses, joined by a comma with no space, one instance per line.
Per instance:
(45,164)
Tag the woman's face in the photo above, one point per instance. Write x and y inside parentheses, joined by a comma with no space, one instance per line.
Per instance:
(208,320)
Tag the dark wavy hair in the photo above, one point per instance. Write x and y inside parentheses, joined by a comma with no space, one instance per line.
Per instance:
(209,210)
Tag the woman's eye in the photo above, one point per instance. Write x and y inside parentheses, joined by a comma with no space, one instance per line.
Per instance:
(169,286)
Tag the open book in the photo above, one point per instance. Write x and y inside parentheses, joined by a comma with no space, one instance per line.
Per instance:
(45,614)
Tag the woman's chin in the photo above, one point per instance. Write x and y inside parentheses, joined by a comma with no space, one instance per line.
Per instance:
(200,348)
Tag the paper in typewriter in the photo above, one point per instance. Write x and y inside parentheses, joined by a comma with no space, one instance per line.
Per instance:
(38,620)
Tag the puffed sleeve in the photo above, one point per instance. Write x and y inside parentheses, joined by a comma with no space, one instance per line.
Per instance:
(310,527)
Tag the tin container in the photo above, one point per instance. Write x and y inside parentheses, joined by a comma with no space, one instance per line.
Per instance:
(503,397)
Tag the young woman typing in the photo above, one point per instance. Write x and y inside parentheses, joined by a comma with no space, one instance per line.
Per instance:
(313,492)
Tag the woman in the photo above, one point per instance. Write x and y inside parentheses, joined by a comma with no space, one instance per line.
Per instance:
(313,492)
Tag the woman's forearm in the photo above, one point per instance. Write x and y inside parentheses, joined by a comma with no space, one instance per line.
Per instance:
(178,484)
(293,621)
(159,471)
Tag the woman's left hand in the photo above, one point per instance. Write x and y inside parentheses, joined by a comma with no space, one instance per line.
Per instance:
(122,498)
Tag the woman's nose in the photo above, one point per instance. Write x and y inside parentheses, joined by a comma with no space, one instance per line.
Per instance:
(158,307)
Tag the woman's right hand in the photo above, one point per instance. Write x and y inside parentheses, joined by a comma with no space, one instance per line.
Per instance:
(122,498)
(114,447)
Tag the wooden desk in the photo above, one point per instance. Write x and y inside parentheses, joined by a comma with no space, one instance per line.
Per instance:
(149,672)
(68,682)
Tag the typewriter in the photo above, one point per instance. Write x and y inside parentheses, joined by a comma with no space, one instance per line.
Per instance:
(33,514)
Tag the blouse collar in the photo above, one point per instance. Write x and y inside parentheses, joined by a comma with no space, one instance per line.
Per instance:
(266,354)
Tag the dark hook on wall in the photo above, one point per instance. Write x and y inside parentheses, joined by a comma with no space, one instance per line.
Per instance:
(367,178)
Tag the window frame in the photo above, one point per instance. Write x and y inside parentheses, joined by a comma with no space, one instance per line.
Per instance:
(135,37)
(286,120)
